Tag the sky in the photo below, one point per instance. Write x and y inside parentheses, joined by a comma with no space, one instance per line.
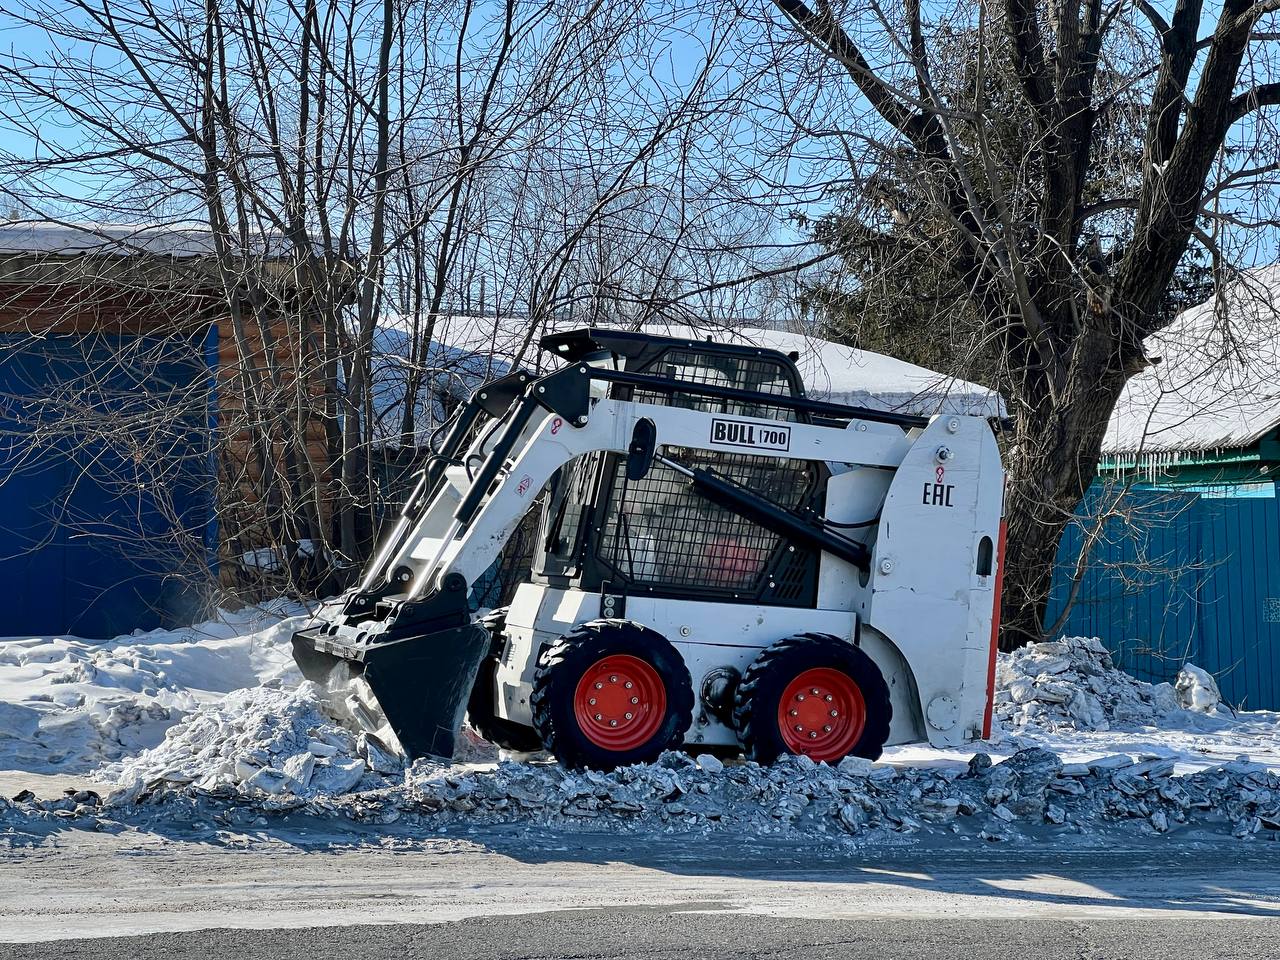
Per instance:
(27,39)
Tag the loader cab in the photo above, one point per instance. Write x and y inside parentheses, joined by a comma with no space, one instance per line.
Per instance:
(603,532)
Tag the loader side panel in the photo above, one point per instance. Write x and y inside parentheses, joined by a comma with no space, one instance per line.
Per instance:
(538,615)
(932,585)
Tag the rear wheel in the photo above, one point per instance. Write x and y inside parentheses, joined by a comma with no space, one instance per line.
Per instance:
(482,711)
(610,693)
(816,695)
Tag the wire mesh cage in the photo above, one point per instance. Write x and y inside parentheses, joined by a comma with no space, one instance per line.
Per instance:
(756,374)
(659,532)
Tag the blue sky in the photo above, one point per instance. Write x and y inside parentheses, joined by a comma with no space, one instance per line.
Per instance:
(32,41)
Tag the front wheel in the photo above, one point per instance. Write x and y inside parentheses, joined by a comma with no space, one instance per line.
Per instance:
(816,695)
(610,693)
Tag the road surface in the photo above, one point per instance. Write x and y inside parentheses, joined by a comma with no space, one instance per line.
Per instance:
(521,894)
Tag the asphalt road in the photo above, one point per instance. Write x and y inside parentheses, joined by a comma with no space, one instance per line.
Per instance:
(491,895)
(657,935)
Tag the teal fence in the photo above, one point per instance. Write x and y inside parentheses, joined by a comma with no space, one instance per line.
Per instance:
(1180,576)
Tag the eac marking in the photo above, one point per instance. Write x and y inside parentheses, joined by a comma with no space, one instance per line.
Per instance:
(938,494)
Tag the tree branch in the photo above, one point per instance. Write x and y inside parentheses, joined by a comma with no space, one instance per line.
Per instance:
(822,30)
(1028,58)
(1263,95)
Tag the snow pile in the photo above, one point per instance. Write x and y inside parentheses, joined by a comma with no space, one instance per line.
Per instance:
(68,704)
(260,740)
(1030,797)
(1072,684)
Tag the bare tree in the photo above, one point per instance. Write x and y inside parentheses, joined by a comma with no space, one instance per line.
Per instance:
(368,174)
(992,134)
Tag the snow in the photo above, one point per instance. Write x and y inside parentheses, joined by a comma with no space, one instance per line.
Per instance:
(68,704)
(1032,796)
(1197,690)
(213,723)
(181,239)
(1067,696)
(830,371)
(1072,684)
(268,739)
(1217,383)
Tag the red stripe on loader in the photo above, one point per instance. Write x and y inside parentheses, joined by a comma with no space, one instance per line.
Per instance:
(995,634)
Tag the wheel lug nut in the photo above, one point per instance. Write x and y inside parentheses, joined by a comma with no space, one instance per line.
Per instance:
(835,713)
(599,686)
(599,717)
(628,716)
(828,698)
(635,699)
(591,702)
(799,729)
(799,696)
(827,728)
(613,723)
(814,691)
(795,713)
(613,679)
(628,684)
(813,734)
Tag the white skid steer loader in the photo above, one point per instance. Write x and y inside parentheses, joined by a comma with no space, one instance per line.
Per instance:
(721,562)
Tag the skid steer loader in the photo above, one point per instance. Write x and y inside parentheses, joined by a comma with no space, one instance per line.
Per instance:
(720,562)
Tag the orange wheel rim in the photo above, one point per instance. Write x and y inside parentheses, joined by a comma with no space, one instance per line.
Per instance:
(619,702)
(822,714)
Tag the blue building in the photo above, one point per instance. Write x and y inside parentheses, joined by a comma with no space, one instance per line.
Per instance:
(1184,522)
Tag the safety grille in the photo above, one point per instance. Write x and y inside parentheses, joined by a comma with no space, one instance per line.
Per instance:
(659,533)
(757,374)
(795,576)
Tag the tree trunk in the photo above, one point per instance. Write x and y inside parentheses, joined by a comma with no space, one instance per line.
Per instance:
(1057,460)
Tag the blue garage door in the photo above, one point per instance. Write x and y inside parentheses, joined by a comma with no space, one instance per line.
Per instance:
(106,482)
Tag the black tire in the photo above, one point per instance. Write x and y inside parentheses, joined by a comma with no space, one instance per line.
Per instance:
(761,690)
(565,663)
(481,707)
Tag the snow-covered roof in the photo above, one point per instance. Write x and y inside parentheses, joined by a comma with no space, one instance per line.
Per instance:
(1217,385)
(843,374)
(831,371)
(181,240)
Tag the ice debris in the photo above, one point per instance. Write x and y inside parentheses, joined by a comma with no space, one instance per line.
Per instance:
(1030,797)
(1072,684)
(263,740)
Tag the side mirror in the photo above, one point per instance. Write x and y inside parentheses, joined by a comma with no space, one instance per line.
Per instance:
(644,441)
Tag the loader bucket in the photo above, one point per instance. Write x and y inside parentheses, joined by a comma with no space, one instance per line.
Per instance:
(410,693)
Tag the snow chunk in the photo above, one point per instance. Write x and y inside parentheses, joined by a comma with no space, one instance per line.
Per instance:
(1197,690)
(710,764)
